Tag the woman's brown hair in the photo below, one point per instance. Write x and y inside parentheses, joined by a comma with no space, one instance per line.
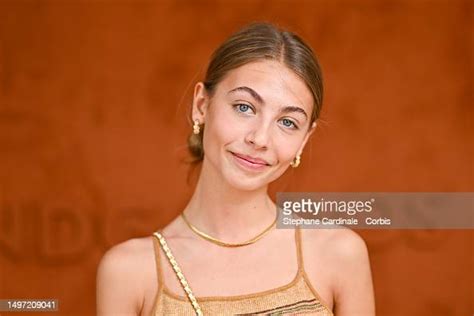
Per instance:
(255,42)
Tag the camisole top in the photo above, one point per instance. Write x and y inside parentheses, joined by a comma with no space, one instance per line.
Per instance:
(298,297)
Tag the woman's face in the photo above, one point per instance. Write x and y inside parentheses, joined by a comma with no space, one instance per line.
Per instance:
(255,123)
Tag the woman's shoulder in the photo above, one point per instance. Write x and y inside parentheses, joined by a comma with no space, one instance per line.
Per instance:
(336,259)
(134,256)
(338,242)
(128,254)
(121,274)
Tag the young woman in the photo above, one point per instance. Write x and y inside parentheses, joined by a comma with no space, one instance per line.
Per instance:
(253,114)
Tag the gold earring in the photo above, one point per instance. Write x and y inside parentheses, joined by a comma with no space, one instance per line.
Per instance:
(196,128)
(296,162)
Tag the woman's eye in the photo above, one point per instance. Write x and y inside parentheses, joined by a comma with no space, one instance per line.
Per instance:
(289,123)
(243,108)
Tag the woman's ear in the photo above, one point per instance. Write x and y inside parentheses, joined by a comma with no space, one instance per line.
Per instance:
(200,103)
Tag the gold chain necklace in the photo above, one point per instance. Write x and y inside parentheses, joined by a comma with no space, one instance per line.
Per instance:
(222,243)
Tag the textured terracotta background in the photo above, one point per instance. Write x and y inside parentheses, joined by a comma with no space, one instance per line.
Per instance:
(94,97)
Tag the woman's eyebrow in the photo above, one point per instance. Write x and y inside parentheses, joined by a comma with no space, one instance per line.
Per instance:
(290,109)
(256,96)
(251,91)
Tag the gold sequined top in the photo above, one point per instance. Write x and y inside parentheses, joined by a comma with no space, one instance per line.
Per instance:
(298,297)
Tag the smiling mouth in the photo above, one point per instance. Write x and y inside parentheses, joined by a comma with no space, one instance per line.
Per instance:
(254,162)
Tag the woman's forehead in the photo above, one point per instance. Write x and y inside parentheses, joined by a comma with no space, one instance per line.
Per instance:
(272,80)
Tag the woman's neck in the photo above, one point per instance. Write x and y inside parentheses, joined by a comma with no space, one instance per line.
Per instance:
(227,213)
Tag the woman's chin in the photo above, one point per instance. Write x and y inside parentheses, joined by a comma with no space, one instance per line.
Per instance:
(243,183)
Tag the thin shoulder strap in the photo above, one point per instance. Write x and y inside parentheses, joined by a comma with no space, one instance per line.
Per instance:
(299,250)
(301,270)
(179,273)
(159,273)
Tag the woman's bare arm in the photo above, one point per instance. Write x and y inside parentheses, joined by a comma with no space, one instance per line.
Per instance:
(118,288)
(354,294)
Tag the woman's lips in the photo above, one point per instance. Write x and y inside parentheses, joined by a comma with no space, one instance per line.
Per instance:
(255,165)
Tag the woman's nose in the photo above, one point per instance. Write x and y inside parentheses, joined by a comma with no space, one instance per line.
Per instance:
(259,136)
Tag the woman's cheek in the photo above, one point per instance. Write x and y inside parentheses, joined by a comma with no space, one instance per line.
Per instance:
(286,149)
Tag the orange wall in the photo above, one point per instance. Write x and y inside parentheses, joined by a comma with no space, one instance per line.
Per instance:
(93,103)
